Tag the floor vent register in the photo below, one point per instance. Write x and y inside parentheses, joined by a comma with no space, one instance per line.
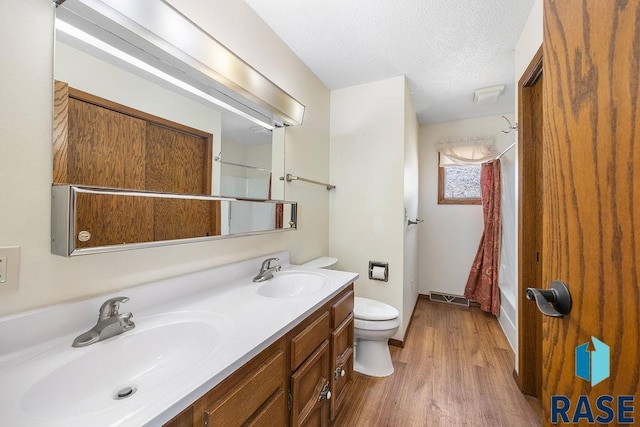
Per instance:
(449,299)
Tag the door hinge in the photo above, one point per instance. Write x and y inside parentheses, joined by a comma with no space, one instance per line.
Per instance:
(289,401)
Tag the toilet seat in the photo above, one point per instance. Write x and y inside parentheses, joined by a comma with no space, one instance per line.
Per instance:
(373,311)
(376,325)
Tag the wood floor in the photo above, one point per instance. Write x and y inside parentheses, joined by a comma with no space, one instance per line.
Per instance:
(455,370)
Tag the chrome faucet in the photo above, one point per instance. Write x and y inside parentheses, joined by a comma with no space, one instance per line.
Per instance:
(110,323)
(266,270)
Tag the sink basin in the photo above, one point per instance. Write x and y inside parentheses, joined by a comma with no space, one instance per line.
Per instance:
(287,284)
(68,386)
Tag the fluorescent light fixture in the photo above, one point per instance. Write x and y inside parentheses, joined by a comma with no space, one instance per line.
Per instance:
(107,48)
(487,95)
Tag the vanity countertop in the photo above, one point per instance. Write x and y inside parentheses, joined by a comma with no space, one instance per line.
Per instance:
(36,356)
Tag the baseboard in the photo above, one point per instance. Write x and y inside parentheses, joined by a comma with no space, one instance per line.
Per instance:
(396,343)
(509,330)
(400,343)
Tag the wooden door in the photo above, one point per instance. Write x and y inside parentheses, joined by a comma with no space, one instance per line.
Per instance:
(591,220)
(308,407)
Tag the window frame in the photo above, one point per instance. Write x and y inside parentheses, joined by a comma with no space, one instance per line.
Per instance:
(442,200)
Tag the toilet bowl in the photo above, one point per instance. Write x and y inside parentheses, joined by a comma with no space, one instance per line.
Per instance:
(375,322)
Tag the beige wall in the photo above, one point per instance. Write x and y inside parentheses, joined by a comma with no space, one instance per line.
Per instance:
(368,166)
(26,37)
(450,235)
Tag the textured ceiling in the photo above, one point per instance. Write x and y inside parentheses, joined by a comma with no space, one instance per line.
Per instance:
(445,48)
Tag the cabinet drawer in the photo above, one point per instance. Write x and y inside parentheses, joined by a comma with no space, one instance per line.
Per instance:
(309,339)
(240,404)
(341,309)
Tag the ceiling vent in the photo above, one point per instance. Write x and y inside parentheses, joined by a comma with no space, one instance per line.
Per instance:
(487,95)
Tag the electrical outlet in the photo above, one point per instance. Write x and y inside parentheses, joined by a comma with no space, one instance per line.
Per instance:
(9,267)
(3,269)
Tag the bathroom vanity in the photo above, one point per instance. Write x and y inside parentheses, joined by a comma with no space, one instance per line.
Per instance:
(301,379)
(208,348)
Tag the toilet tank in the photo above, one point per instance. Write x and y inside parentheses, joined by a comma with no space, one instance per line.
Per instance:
(326,262)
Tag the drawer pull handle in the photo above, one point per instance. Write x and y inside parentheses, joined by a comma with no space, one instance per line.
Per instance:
(325,393)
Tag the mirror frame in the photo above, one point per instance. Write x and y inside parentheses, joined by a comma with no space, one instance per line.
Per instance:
(63,215)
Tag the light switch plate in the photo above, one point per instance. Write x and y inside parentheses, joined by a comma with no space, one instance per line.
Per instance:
(3,269)
(10,256)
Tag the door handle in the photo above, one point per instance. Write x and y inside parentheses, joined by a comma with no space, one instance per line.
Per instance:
(553,302)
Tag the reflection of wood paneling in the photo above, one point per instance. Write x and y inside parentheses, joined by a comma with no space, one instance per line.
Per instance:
(176,162)
(98,142)
(111,145)
(60,131)
(113,220)
(182,218)
(279,215)
(105,148)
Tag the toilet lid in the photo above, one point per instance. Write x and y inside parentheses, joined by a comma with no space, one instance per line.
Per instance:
(369,309)
(323,262)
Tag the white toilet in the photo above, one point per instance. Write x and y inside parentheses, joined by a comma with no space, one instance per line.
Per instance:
(375,322)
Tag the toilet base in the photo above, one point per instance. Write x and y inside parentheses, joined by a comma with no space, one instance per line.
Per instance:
(372,357)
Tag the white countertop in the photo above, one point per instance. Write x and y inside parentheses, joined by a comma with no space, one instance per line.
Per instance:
(34,343)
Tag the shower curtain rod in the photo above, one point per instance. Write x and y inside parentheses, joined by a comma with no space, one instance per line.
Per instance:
(224,162)
(507,149)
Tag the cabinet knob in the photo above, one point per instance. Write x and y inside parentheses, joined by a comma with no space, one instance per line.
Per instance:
(325,393)
(340,372)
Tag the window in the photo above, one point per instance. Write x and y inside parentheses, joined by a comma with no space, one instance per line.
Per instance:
(459,163)
(459,185)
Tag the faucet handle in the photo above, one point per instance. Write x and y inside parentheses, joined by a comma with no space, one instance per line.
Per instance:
(266,264)
(111,306)
(126,322)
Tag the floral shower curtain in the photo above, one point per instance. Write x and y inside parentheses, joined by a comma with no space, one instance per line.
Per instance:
(482,285)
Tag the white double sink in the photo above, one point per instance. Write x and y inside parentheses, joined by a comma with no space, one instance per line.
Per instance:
(183,352)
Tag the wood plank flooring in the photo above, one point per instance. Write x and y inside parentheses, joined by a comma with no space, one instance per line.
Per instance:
(455,370)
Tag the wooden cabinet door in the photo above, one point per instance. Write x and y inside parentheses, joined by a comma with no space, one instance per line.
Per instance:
(341,363)
(308,406)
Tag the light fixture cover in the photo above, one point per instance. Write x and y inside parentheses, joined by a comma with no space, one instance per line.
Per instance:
(486,95)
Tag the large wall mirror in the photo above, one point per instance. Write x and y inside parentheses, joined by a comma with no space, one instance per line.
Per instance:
(146,101)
